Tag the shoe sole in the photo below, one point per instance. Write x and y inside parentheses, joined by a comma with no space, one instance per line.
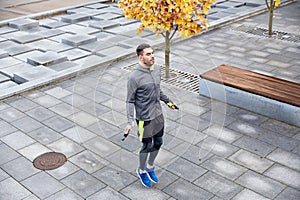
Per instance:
(151,179)
(137,171)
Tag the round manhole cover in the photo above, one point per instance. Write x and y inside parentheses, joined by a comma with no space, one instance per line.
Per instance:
(50,160)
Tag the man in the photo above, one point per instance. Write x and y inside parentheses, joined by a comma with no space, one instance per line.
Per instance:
(143,96)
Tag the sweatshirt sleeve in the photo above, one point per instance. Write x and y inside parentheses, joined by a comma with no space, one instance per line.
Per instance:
(164,97)
(130,101)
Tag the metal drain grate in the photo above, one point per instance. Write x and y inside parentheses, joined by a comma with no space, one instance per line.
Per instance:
(264,32)
(181,79)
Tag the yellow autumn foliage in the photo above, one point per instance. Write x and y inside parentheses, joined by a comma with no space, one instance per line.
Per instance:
(163,15)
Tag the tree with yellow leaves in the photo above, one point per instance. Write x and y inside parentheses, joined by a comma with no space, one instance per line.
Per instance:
(165,17)
(271,5)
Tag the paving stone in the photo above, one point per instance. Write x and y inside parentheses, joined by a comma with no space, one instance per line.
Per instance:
(64,109)
(224,168)
(101,146)
(58,92)
(2,39)
(279,140)
(20,168)
(18,191)
(111,9)
(55,24)
(47,101)
(102,35)
(120,158)
(22,104)
(45,135)
(26,124)
(285,158)
(288,193)
(88,161)
(96,46)
(75,54)
(251,161)
(246,128)
(11,114)
(218,185)
(74,18)
(217,147)
(114,177)
(185,169)
(6,128)
(260,184)
(84,119)
(77,29)
(79,10)
(49,45)
(23,57)
(3,53)
(63,171)
(187,134)
(7,29)
(103,24)
(78,134)
(77,40)
(7,154)
(284,175)
(58,123)
(115,118)
(97,6)
(40,113)
(17,140)
(43,185)
(107,16)
(280,127)
(222,133)
(249,195)
(137,191)
(34,150)
(124,21)
(107,193)
(4,78)
(3,175)
(46,59)
(27,37)
(23,24)
(58,38)
(105,129)
(249,117)
(8,61)
(66,146)
(254,146)
(182,189)
(83,183)
(18,49)
(65,194)
(62,66)
(37,73)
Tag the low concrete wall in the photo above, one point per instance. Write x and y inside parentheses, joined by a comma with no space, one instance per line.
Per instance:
(255,103)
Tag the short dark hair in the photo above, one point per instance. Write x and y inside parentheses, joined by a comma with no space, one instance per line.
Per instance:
(141,47)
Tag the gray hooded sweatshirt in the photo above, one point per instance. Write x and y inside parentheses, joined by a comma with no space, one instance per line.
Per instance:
(144,94)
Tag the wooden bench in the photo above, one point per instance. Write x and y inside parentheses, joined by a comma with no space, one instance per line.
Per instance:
(270,96)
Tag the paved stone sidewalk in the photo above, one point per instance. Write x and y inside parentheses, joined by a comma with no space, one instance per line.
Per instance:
(38,51)
(211,150)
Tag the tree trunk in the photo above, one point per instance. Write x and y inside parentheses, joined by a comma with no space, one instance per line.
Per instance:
(271,14)
(167,54)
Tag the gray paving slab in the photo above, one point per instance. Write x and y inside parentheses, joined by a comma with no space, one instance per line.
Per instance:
(49,45)
(107,193)
(288,193)
(55,24)
(83,183)
(18,192)
(4,78)
(20,168)
(188,190)
(43,185)
(103,24)
(61,144)
(74,18)
(23,24)
(3,53)
(8,61)
(101,146)
(78,29)
(65,194)
(97,6)
(7,154)
(107,16)
(46,59)
(62,66)
(6,128)
(11,114)
(224,168)
(17,140)
(7,29)
(75,54)
(45,135)
(78,40)
(37,73)
(218,185)
(27,37)
(96,46)
(248,194)
(285,158)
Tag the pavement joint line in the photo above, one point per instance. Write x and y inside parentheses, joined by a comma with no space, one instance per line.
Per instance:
(9,92)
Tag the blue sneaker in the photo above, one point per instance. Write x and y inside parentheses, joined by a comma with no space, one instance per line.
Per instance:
(144,178)
(152,175)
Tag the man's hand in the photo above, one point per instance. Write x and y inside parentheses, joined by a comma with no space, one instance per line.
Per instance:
(172,106)
(127,130)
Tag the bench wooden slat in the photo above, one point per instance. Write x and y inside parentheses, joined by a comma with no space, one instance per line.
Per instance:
(271,87)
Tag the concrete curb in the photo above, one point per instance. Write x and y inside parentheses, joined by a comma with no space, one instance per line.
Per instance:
(60,76)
